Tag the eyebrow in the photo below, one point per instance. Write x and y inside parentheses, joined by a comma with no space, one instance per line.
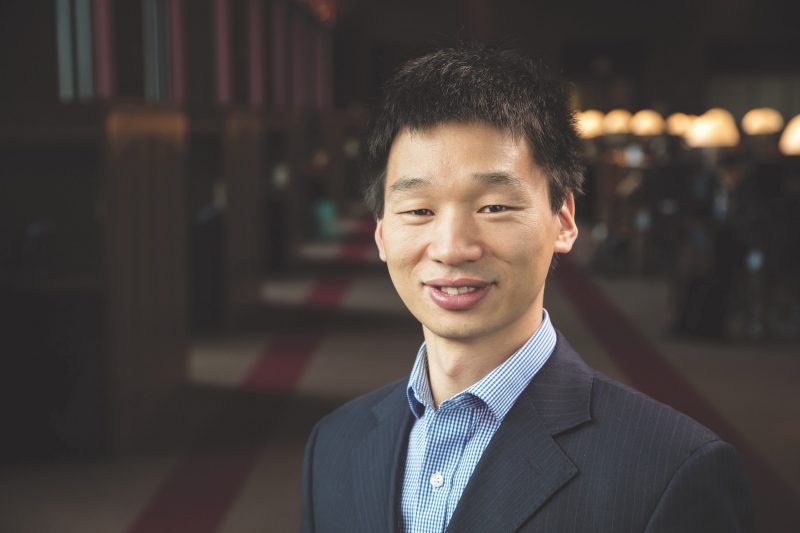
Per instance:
(409,184)
(494,179)
(502,179)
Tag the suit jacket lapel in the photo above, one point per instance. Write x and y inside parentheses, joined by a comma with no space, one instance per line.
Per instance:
(523,466)
(380,459)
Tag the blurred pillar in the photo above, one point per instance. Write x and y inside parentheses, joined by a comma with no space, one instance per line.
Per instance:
(145,274)
(244,230)
(279,72)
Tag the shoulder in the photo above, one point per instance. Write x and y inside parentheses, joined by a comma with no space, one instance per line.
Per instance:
(658,466)
(646,454)
(361,413)
(613,427)
(349,454)
(686,476)
(621,413)
(620,405)
(619,424)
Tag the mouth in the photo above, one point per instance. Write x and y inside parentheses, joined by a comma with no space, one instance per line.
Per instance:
(452,291)
(457,294)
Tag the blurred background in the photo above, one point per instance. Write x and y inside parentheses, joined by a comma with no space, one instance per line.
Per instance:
(187,275)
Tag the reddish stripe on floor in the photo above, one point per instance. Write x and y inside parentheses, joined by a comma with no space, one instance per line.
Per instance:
(283,363)
(199,492)
(651,372)
(356,251)
(328,292)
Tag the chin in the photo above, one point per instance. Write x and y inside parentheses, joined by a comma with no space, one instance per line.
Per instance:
(458,332)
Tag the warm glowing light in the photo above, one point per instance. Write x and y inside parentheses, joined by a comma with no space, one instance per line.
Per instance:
(617,121)
(715,128)
(790,139)
(590,123)
(130,123)
(325,10)
(647,122)
(762,121)
(679,123)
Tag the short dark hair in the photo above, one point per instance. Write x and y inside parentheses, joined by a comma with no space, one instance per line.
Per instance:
(476,83)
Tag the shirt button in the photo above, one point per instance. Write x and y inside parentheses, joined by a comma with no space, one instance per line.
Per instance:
(437,480)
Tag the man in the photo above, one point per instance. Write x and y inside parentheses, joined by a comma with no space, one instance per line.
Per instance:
(501,426)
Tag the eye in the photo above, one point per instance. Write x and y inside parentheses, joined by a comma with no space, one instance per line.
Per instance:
(419,212)
(494,209)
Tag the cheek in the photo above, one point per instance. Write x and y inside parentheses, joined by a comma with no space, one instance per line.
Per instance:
(527,255)
(524,242)
(403,244)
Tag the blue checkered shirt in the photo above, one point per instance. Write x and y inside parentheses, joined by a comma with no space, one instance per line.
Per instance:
(446,444)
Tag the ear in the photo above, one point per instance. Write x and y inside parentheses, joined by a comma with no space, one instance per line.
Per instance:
(379,239)
(568,230)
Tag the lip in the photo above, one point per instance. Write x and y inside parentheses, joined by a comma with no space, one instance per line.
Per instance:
(457,302)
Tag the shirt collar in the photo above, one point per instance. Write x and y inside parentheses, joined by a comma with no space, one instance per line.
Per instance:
(501,387)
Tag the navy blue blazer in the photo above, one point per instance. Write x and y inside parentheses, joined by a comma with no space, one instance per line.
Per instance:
(578,452)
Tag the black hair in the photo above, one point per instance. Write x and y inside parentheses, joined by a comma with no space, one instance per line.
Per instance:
(476,83)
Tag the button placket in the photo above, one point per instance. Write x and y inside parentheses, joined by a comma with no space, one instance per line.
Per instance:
(435,469)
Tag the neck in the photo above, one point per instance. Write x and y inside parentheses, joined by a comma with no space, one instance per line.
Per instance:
(456,364)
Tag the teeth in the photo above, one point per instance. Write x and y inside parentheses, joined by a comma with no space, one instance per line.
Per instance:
(452,291)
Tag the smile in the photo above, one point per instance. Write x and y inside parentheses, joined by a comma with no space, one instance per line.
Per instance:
(458,294)
(452,291)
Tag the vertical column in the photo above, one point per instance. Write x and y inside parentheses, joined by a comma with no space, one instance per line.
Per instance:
(255,25)
(299,65)
(157,50)
(145,235)
(103,52)
(323,69)
(66,77)
(242,170)
(178,72)
(223,41)
(83,49)
(280,52)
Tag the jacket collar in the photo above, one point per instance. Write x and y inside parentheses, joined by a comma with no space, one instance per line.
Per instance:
(523,466)
(519,471)
(380,457)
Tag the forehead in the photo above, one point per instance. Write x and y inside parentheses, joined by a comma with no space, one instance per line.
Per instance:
(479,140)
(448,153)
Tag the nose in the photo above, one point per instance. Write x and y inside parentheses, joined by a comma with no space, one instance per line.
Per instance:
(455,240)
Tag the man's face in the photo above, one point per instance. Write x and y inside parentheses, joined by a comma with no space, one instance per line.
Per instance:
(468,232)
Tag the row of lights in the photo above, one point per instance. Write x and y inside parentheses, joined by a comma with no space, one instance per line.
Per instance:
(714,128)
